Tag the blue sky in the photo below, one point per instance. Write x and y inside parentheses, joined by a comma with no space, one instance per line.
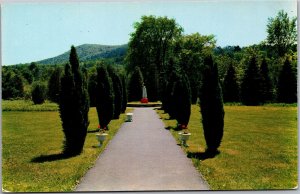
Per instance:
(35,31)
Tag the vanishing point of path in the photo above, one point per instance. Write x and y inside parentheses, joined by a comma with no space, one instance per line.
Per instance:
(143,156)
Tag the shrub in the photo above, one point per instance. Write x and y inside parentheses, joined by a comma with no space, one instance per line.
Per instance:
(104,97)
(73,106)
(211,104)
(38,93)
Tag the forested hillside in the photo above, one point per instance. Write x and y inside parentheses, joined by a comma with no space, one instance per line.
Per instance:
(88,52)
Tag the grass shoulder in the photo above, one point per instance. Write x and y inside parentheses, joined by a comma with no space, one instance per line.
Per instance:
(258,150)
(32,143)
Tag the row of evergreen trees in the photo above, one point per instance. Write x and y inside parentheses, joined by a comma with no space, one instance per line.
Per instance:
(256,87)
(109,94)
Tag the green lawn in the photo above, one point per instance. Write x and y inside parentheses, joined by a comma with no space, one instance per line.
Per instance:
(258,151)
(27,105)
(31,147)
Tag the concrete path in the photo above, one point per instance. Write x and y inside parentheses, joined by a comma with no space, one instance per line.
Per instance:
(143,156)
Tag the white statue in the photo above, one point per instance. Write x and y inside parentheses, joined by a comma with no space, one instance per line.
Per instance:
(144,92)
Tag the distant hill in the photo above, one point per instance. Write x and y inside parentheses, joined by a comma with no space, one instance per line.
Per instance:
(89,52)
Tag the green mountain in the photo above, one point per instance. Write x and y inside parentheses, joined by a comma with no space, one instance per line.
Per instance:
(90,52)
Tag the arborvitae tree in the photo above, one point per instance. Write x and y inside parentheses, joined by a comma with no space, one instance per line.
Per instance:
(74,106)
(266,83)
(135,85)
(54,85)
(211,104)
(92,88)
(124,92)
(104,97)
(181,100)
(167,98)
(38,93)
(287,84)
(251,84)
(231,88)
(117,88)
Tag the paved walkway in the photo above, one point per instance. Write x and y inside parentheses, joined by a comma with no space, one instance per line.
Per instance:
(142,156)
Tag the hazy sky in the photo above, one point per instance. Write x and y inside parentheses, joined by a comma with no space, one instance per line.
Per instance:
(35,31)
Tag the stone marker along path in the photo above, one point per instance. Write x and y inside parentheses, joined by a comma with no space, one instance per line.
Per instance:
(143,156)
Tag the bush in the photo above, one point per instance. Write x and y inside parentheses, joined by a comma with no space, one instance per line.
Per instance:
(104,97)
(211,104)
(74,106)
(38,93)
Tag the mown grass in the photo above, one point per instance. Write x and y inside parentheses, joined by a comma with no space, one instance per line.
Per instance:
(259,148)
(31,147)
(27,105)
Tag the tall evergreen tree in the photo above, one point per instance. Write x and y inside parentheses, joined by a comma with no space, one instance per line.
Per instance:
(104,97)
(73,106)
(231,92)
(168,101)
(181,98)
(54,85)
(266,83)
(251,84)
(124,92)
(211,103)
(92,88)
(135,85)
(287,84)
(117,88)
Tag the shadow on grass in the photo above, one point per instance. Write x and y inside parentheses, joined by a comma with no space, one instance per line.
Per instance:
(94,131)
(50,158)
(202,155)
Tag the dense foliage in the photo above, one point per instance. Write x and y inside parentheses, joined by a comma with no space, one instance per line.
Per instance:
(74,106)
(149,48)
(211,103)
